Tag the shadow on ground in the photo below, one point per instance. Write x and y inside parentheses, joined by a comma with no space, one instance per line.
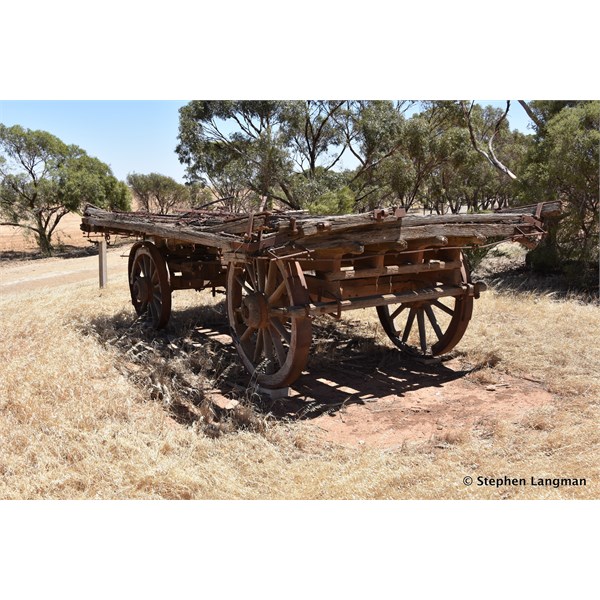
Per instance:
(193,368)
(64,251)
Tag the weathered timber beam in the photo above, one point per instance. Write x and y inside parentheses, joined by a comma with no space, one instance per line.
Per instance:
(548,209)
(321,308)
(315,225)
(108,222)
(474,233)
(393,270)
(331,224)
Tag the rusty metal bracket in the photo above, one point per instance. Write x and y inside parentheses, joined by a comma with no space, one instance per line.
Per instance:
(303,251)
(528,238)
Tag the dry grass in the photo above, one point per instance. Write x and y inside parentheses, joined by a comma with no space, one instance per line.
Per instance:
(82,418)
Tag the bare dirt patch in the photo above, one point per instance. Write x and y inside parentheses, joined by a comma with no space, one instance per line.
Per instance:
(18,239)
(407,406)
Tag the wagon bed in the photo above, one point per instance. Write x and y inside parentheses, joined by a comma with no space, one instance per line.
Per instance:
(281,269)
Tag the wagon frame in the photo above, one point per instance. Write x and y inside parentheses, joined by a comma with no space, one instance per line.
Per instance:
(281,269)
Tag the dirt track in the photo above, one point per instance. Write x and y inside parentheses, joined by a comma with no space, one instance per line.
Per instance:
(27,275)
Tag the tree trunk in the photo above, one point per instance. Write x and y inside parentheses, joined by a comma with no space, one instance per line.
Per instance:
(44,242)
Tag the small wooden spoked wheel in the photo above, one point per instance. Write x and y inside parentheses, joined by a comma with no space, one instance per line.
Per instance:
(149,284)
(440,323)
(273,347)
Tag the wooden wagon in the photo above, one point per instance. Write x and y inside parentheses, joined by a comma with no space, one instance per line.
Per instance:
(281,269)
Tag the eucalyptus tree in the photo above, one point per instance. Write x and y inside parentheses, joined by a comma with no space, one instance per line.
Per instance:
(563,163)
(42,179)
(158,193)
(277,150)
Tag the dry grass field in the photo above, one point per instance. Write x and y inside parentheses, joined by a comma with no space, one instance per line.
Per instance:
(94,406)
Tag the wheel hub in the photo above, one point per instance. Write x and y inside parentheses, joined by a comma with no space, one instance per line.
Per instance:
(255,310)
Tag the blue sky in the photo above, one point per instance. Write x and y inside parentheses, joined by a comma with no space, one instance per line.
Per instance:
(131,135)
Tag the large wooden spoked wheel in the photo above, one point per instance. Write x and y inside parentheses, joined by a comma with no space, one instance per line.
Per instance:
(274,348)
(430,327)
(149,284)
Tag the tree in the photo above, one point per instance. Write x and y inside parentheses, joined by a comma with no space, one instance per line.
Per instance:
(372,134)
(243,136)
(42,179)
(267,151)
(563,163)
(158,193)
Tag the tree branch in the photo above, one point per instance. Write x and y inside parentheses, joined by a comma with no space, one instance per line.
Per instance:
(491,157)
(531,114)
(34,229)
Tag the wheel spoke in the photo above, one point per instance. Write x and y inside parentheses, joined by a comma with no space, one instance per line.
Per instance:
(436,327)
(280,327)
(261,275)
(153,312)
(409,324)
(252,273)
(279,349)
(443,307)
(243,284)
(271,278)
(247,334)
(276,294)
(268,344)
(135,273)
(422,333)
(398,311)
(259,346)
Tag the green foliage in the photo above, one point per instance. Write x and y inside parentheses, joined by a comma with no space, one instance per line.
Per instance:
(42,179)
(253,152)
(158,193)
(334,202)
(260,147)
(564,164)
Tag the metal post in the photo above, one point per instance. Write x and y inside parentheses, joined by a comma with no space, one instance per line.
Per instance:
(102,263)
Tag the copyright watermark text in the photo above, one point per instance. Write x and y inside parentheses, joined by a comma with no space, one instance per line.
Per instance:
(506,481)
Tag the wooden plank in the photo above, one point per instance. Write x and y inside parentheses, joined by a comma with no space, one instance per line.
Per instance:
(333,224)
(108,222)
(393,270)
(321,308)
(550,209)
